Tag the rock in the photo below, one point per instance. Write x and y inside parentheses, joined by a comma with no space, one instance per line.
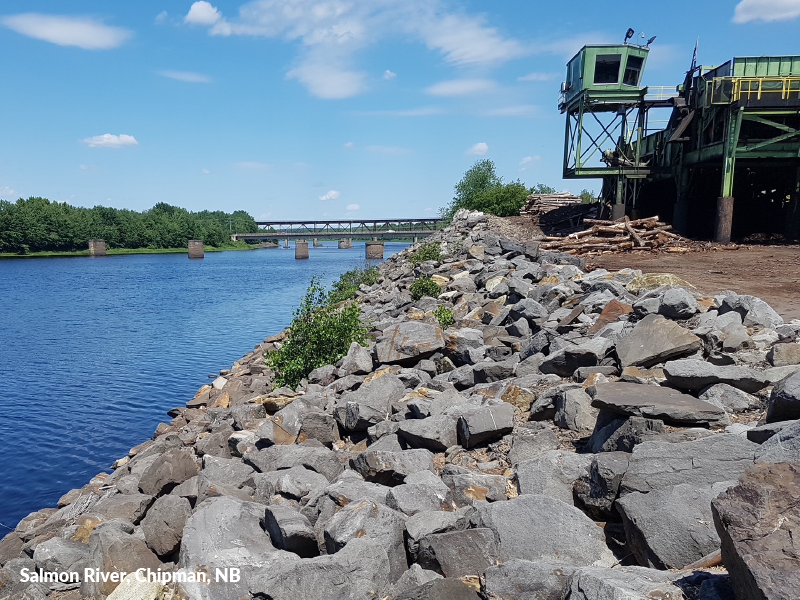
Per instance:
(732,399)
(130,507)
(60,555)
(655,339)
(671,527)
(574,411)
(634,583)
(552,474)
(318,426)
(297,482)
(227,471)
(391,468)
(422,491)
(693,374)
(291,531)
(784,355)
(784,401)
(481,424)
(531,441)
(356,572)
(414,577)
(762,433)
(677,303)
(517,579)
(10,547)
(367,519)
(784,446)
(655,402)
(427,523)
(542,528)
(528,309)
(408,342)
(564,362)
(323,375)
(316,458)
(135,587)
(659,465)
(754,311)
(615,433)
(489,371)
(469,487)
(440,589)
(164,522)
(598,490)
(371,403)
(114,551)
(775,374)
(434,433)
(167,471)
(611,313)
(757,524)
(458,553)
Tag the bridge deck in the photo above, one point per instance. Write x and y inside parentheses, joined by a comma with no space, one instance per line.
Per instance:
(346,228)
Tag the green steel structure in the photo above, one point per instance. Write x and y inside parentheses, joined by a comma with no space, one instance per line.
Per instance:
(732,131)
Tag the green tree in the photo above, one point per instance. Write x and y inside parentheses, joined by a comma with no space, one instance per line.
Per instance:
(587,196)
(478,179)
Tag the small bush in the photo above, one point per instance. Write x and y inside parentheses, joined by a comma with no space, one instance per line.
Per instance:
(424,286)
(347,285)
(444,315)
(320,334)
(432,251)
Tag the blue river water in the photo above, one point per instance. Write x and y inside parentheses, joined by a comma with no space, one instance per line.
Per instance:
(94,351)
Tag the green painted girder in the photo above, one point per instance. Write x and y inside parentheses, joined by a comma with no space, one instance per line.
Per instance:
(593,172)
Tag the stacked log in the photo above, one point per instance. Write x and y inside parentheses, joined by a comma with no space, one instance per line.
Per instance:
(620,235)
(537,205)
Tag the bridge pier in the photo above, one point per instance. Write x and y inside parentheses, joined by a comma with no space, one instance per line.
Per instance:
(317,244)
(300,250)
(346,243)
(97,247)
(374,250)
(196,249)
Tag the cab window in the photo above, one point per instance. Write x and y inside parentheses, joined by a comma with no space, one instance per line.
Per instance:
(606,68)
(633,70)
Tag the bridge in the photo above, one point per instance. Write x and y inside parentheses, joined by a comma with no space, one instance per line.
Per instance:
(342,229)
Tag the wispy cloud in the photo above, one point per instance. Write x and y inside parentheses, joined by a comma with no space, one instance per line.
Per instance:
(82,32)
(109,140)
(766,10)
(388,75)
(349,145)
(161,17)
(479,149)
(85,167)
(331,34)
(538,77)
(461,87)
(206,171)
(353,207)
(424,111)
(253,165)
(520,110)
(392,150)
(7,192)
(186,76)
(330,195)
(528,160)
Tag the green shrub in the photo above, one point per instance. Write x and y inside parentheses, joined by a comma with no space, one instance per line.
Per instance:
(320,334)
(424,286)
(444,315)
(347,285)
(432,251)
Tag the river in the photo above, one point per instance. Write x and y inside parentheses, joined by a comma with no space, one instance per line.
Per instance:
(94,351)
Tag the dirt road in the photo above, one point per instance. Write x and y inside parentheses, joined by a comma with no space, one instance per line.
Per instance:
(770,272)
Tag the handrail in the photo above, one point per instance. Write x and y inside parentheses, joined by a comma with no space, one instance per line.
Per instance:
(726,90)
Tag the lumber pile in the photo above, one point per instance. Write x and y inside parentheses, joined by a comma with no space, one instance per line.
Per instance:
(537,205)
(617,236)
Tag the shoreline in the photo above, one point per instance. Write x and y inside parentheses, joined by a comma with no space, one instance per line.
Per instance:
(123,252)
(485,426)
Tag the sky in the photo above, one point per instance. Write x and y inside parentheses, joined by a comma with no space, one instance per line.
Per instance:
(301,109)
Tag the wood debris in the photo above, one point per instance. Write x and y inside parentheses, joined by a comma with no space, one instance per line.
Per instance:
(620,235)
(540,204)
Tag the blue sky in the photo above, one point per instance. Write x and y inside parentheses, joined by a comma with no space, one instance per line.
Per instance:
(318,108)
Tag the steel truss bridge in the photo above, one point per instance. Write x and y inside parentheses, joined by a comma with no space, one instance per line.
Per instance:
(351,228)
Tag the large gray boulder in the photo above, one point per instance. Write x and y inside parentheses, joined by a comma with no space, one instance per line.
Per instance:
(535,527)
(482,424)
(784,401)
(458,553)
(574,411)
(358,360)
(614,432)
(655,402)
(705,461)
(408,342)
(427,523)
(655,339)
(517,579)
(784,446)
(164,522)
(60,555)
(367,519)
(111,550)
(167,471)
(623,583)
(434,433)
(564,362)
(370,404)
(530,441)
(469,487)
(692,374)
(440,589)
(552,474)
(391,468)
(732,399)
(784,355)
(678,303)
(359,571)
(421,492)
(598,490)
(757,524)
(672,527)
(754,310)
(275,458)
(291,531)
(130,507)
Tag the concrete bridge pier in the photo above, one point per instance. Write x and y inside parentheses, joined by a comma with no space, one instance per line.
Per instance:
(345,243)
(374,250)
(97,248)
(196,249)
(287,244)
(300,250)
(317,244)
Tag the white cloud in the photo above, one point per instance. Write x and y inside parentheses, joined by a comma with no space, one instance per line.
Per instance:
(253,165)
(766,10)
(186,76)
(526,160)
(521,110)
(392,150)
(424,111)
(202,13)
(206,171)
(161,17)
(109,140)
(429,210)
(330,195)
(7,192)
(85,167)
(353,207)
(479,149)
(331,33)
(461,87)
(82,32)
(537,77)
(388,75)
(349,144)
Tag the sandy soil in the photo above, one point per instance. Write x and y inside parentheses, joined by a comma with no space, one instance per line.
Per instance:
(770,272)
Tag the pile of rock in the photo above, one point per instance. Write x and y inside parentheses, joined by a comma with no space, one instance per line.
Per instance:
(573,436)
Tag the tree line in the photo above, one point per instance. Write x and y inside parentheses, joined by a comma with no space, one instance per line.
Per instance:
(37,224)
